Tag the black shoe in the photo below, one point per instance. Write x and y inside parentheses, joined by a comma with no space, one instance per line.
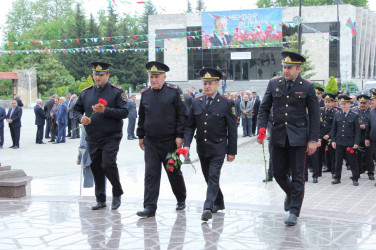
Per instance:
(269,179)
(146,213)
(180,205)
(216,208)
(56,142)
(325,170)
(116,201)
(310,170)
(11,147)
(15,147)
(371,177)
(355,183)
(336,181)
(134,137)
(291,220)
(315,180)
(245,135)
(47,137)
(206,215)
(51,141)
(42,142)
(250,135)
(99,206)
(62,142)
(287,203)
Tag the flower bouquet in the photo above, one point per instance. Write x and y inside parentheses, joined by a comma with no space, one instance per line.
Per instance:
(261,136)
(173,159)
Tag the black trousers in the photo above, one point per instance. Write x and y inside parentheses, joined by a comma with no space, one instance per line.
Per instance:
(373,149)
(69,127)
(15,134)
(341,152)
(1,136)
(103,156)
(327,157)
(316,165)
(254,124)
(286,159)
(53,129)
(131,127)
(365,160)
(211,168)
(155,154)
(39,136)
(48,127)
(270,169)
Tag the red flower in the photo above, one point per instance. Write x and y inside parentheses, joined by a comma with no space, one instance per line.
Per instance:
(171,162)
(170,169)
(348,148)
(261,135)
(102,101)
(352,151)
(182,151)
(326,148)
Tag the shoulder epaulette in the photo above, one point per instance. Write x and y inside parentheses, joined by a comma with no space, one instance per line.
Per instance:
(144,90)
(87,88)
(278,79)
(115,86)
(225,98)
(172,86)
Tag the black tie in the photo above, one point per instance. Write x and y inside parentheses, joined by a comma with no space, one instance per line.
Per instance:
(289,84)
(208,102)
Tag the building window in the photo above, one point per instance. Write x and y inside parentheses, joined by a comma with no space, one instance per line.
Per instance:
(333,50)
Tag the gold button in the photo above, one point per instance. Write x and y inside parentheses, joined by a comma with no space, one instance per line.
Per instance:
(205,139)
(287,105)
(286,114)
(206,114)
(205,131)
(287,97)
(342,135)
(286,123)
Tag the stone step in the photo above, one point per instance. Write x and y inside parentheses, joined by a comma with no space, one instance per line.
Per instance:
(3,168)
(13,173)
(15,182)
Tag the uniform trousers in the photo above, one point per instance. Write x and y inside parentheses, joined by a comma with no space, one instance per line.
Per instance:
(286,159)
(39,136)
(15,134)
(103,164)
(316,165)
(1,136)
(373,149)
(365,160)
(327,157)
(211,168)
(341,152)
(155,154)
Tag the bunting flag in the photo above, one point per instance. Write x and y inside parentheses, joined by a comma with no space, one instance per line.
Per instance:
(350,24)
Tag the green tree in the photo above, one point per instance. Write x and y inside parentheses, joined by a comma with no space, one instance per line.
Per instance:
(149,9)
(332,86)
(350,86)
(189,6)
(89,81)
(19,19)
(200,6)
(52,10)
(284,3)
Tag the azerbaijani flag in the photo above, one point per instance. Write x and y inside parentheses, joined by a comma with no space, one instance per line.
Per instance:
(351,26)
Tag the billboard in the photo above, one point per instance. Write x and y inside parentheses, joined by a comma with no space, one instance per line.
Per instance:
(242,28)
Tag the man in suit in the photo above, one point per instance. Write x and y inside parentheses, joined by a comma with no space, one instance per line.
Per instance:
(61,121)
(370,136)
(246,115)
(52,114)
(132,116)
(220,36)
(47,109)
(255,101)
(214,120)
(40,117)
(14,120)
(3,115)
(291,135)
(75,132)
(241,95)
(345,135)
(19,102)
(188,100)
(68,102)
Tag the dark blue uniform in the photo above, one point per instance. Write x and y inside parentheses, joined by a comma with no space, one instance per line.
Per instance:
(104,134)
(345,133)
(161,119)
(326,157)
(216,136)
(371,131)
(291,132)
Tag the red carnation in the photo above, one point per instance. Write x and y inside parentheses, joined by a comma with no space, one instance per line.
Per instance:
(348,148)
(102,101)
(352,151)
(261,135)
(171,162)
(170,169)
(326,148)
(182,151)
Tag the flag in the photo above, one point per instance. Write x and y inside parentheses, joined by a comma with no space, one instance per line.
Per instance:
(351,26)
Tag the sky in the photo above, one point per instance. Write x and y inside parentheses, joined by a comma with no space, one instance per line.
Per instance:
(163,7)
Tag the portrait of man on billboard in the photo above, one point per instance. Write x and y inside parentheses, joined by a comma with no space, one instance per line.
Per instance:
(220,37)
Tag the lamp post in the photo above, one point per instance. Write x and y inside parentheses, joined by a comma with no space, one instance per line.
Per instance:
(28,72)
(300,29)
(338,42)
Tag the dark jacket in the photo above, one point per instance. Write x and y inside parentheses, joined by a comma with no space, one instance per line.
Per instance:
(371,128)
(326,121)
(363,120)
(162,113)
(110,123)
(16,117)
(3,115)
(71,108)
(346,130)
(256,106)
(40,115)
(48,106)
(216,129)
(132,109)
(289,112)
(62,113)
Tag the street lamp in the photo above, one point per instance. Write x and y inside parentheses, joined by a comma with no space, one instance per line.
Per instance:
(300,29)
(338,42)
(29,72)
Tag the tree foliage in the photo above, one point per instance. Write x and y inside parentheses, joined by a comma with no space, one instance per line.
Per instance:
(200,6)
(284,3)
(332,86)
(189,6)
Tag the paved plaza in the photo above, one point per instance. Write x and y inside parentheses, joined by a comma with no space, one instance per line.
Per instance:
(56,216)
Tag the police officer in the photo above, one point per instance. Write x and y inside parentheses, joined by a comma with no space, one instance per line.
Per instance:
(326,151)
(161,123)
(213,117)
(364,156)
(291,135)
(319,95)
(345,135)
(371,128)
(104,130)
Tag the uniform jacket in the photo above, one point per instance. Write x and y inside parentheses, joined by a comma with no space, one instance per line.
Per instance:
(322,103)
(162,113)
(216,129)
(71,108)
(62,113)
(3,115)
(363,120)
(16,117)
(248,109)
(40,115)
(371,128)
(110,123)
(289,112)
(346,130)
(326,121)
(132,109)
